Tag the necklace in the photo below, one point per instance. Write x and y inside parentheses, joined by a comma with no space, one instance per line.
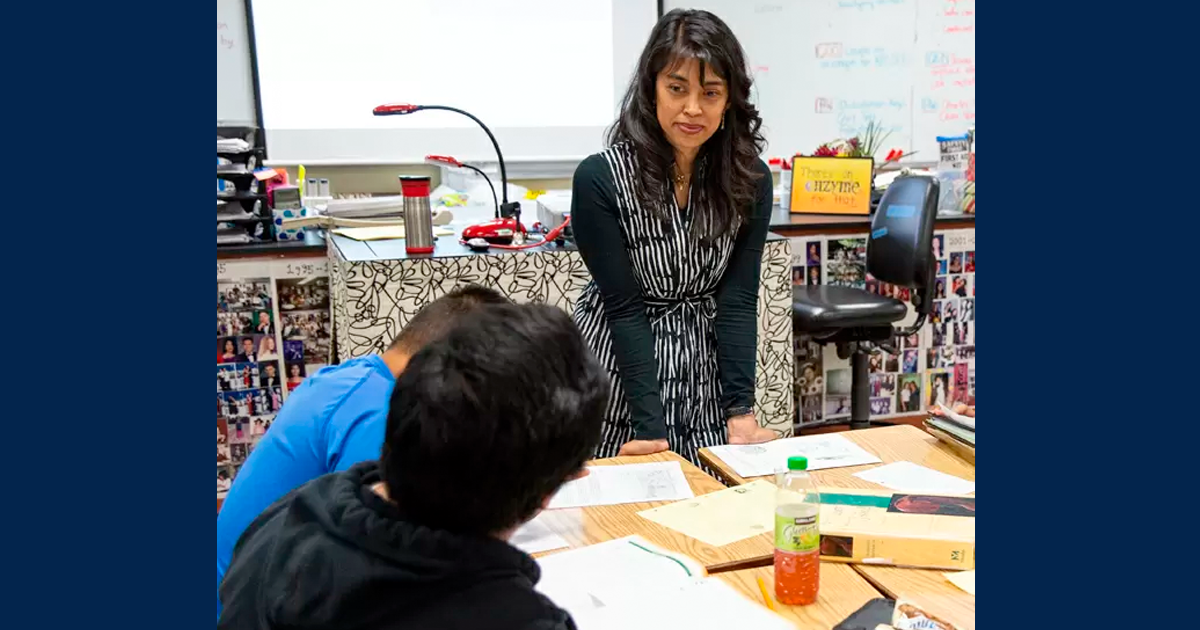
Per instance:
(680,179)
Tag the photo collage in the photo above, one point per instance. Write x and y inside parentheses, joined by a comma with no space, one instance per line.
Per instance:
(249,383)
(935,365)
(271,333)
(306,326)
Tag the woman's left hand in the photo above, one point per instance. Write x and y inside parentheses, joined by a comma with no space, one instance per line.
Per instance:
(745,430)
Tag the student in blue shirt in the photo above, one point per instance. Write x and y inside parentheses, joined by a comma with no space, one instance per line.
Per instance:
(333,420)
(485,425)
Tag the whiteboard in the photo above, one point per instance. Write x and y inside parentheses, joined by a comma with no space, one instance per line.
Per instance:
(823,69)
(235,87)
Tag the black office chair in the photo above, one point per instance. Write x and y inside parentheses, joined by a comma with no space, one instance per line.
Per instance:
(899,252)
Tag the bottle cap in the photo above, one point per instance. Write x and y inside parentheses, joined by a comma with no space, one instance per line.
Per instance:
(797,463)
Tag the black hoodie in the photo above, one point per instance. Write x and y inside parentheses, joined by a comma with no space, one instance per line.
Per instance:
(333,554)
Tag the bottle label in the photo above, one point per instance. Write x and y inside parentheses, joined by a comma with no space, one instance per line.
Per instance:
(797,534)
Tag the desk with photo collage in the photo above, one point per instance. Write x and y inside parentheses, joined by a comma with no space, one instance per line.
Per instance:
(274,327)
(936,365)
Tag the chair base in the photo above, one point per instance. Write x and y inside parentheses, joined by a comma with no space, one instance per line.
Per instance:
(849,343)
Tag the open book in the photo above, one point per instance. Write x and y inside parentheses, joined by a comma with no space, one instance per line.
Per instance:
(630,584)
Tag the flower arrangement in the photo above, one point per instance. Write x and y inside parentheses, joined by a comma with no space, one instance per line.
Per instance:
(866,144)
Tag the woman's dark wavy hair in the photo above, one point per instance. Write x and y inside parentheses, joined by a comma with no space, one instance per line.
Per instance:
(725,175)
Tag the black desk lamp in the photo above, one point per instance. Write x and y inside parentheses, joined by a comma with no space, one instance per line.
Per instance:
(506,209)
(446,160)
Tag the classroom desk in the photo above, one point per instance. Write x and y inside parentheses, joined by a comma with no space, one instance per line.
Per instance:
(897,443)
(785,223)
(313,244)
(842,592)
(926,588)
(890,444)
(591,525)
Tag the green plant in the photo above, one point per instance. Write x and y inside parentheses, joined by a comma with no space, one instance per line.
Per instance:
(869,142)
(865,144)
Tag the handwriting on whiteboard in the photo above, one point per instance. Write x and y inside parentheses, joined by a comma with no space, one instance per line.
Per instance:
(891,103)
(950,70)
(852,122)
(224,38)
(867,5)
(958,16)
(829,50)
(838,56)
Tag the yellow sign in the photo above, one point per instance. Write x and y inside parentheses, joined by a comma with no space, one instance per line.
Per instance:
(831,185)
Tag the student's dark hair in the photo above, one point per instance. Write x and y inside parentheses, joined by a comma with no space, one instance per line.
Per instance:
(440,315)
(726,179)
(490,419)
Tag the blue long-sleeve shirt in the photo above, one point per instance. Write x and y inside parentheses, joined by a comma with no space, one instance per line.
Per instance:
(333,420)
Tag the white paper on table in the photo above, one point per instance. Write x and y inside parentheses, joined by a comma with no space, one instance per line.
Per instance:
(704,604)
(963,579)
(629,483)
(914,479)
(629,584)
(535,536)
(823,451)
(722,517)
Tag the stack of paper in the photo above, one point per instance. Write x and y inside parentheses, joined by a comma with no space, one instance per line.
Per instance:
(966,422)
(629,584)
(822,451)
(231,145)
(383,232)
(366,208)
(631,483)
(956,430)
(952,431)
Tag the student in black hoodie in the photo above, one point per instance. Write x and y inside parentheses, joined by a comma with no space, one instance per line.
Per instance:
(484,426)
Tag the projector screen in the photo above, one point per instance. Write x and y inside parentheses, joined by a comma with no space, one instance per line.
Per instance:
(546,76)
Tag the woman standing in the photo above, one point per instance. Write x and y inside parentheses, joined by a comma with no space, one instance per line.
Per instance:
(671,222)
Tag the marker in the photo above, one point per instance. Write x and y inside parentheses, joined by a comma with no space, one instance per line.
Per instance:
(300,179)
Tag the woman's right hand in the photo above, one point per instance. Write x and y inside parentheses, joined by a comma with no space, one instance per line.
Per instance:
(643,447)
(959,408)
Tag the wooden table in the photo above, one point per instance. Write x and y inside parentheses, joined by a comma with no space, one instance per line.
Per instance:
(929,590)
(842,592)
(590,525)
(842,589)
(890,444)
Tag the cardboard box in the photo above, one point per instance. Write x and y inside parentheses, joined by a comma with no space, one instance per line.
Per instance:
(891,528)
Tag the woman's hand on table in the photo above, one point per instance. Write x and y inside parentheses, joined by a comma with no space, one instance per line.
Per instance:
(643,447)
(745,430)
(959,408)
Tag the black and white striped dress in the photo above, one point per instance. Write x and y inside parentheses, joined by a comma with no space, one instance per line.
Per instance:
(677,278)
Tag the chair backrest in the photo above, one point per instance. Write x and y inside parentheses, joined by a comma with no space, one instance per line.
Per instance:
(900,248)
